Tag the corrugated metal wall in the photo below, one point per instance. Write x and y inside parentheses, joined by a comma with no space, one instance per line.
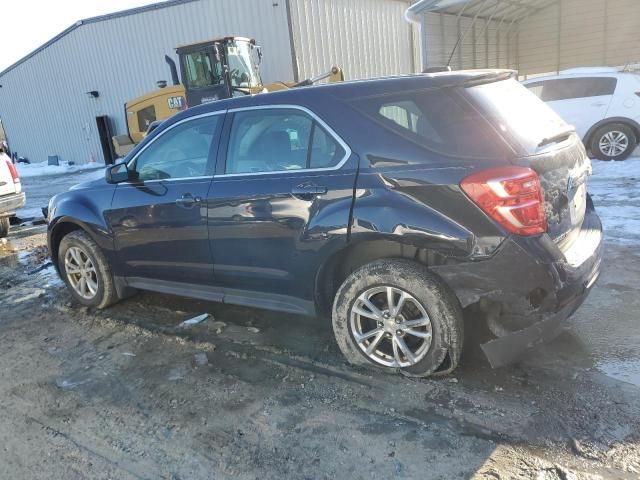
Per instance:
(43,103)
(485,44)
(580,33)
(368,38)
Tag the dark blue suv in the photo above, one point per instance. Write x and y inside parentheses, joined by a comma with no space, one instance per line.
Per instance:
(392,205)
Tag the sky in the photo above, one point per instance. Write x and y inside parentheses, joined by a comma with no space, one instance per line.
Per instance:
(27,24)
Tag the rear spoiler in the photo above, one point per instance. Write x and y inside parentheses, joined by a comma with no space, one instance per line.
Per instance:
(490,77)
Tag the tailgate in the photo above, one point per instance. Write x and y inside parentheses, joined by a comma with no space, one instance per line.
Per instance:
(563,174)
(541,140)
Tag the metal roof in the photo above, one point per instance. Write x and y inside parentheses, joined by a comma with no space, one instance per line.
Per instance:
(100,18)
(506,11)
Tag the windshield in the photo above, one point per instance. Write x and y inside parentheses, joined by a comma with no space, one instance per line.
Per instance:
(243,70)
(518,113)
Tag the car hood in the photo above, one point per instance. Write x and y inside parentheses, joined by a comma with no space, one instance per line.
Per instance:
(98,182)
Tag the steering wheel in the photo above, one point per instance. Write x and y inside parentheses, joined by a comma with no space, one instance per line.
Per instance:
(173,154)
(149,172)
(192,172)
(234,73)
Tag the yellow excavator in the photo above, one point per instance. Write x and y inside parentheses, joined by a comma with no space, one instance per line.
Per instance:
(209,71)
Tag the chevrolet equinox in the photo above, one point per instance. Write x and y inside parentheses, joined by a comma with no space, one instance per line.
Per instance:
(391,206)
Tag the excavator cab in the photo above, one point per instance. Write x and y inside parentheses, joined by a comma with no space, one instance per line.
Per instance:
(220,68)
(209,71)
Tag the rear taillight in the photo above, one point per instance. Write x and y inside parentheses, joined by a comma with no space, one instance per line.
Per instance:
(14,172)
(512,196)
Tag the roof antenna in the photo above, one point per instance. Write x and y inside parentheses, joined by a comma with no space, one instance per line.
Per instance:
(464,35)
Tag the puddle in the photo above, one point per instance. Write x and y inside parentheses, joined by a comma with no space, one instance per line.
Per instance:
(14,258)
(71,383)
(623,370)
(10,261)
(34,267)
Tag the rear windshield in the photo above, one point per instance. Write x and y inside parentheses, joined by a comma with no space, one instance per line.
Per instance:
(517,112)
(438,119)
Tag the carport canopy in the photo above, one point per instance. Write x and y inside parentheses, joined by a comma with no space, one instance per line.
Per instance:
(484,30)
(532,36)
(505,11)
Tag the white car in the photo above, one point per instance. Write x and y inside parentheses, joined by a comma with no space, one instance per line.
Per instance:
(603,104)
(11,195)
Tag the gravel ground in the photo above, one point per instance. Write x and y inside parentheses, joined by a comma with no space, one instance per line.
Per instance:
(129,393)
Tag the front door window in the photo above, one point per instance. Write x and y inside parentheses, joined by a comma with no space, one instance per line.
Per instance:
(181,152)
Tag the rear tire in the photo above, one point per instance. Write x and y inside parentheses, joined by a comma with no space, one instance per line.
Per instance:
(85,270)
(4,227)
(615,141)
(395,315)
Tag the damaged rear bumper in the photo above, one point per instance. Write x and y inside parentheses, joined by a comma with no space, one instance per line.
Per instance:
(504,350)
(528,288)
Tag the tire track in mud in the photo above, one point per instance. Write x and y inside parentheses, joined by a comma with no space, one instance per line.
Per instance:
(89,445)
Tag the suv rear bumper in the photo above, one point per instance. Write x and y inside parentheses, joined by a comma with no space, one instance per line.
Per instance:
(529,287)
(10,203)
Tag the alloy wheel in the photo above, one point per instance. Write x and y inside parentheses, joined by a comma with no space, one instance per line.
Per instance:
(81,272)
(613,143)
(391,327)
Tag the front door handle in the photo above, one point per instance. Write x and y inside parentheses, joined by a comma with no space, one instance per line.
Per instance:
(308,190)
(188,201)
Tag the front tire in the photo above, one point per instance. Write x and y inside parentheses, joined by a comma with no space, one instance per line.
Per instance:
(397,316)
(615,141)
(4,227)
(85,270)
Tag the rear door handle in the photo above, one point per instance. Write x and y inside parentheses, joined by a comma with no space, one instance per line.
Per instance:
(307,191)
(188,201)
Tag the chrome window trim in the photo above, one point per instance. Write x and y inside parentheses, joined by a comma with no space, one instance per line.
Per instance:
(316,118)
(184,120)
(165,180)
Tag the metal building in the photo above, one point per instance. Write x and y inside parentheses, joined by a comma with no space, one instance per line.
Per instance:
(531,36)
(45,106)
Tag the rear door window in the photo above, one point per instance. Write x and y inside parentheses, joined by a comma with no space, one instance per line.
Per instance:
(570,88)
(276,140)
(440,120)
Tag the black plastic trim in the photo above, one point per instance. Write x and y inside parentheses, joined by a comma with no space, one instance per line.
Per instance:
(247,298)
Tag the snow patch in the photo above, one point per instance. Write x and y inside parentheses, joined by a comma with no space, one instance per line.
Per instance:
(615,189)
(42,169)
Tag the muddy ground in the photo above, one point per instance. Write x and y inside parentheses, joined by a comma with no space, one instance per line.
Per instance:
(127,393)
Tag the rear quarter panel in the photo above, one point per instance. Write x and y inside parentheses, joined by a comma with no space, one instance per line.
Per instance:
(409,194)
(422,206)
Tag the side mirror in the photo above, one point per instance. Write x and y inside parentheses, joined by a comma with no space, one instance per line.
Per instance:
(117,173)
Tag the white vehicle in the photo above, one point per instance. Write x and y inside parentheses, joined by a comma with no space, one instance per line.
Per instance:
(603,104)
(11,195)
